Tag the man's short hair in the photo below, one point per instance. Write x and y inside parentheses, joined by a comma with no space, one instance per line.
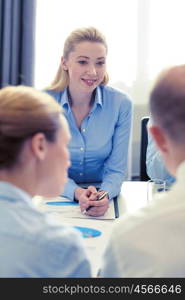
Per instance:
(167,103)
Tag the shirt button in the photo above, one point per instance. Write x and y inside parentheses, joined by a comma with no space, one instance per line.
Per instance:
(83,129)
(82,149)
(81,174)
(80,162)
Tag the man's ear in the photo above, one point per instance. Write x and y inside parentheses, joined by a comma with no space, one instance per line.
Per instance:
(159,138)
(63,64)
(39,146)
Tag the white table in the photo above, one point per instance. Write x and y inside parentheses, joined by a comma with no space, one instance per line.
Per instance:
(132,197)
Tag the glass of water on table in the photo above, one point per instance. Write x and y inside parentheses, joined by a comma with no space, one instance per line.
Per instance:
(155,186)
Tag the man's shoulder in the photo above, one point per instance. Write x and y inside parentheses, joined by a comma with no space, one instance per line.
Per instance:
(138,222)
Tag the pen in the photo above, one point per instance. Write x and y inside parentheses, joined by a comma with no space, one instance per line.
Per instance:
(99,198)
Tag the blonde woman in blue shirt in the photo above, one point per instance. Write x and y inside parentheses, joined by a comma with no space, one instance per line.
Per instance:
(99,118)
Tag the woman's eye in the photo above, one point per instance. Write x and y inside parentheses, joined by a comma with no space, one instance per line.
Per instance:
(100,63)
(82,62)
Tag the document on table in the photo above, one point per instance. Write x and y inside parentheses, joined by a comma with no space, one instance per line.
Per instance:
(71,209)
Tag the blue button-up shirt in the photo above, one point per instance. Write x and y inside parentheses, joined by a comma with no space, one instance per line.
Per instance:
(154,163)
(99,149)
(32,245)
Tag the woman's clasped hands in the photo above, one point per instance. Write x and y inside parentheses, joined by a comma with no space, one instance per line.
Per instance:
(89,203)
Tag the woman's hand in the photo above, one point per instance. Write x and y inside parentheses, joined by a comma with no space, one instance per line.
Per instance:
(99,207)
(88,197)
(83,195)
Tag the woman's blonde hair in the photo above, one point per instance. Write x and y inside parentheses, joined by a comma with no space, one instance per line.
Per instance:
(24,112)
(77,36)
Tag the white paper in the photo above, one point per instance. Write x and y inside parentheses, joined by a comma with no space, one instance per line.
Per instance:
(69,211)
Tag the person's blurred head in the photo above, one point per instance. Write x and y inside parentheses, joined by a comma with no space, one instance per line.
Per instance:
(90,36)
(167,106)
(33,139)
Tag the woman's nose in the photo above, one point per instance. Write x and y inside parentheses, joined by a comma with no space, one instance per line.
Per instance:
(91,70)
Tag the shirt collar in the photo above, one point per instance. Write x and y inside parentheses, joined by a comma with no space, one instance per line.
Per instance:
(98,99)
(98,96)
(65,100)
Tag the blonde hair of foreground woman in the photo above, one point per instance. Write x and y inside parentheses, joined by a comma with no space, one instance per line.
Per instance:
(33,137)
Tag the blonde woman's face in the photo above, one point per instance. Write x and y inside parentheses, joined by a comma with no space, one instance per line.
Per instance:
(86,66)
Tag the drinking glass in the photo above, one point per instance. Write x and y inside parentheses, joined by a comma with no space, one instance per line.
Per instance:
(155,186)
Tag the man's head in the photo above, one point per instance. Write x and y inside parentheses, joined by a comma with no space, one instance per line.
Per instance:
(167,106)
